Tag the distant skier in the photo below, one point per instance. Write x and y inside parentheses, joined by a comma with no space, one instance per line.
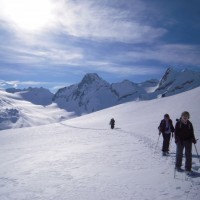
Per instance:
(184,137)
(112,123)
(166,128)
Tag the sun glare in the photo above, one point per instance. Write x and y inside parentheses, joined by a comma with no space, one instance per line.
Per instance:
(29,15)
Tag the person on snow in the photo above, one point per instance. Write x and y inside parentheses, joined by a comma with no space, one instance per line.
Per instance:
(184,137)
(166,128)
(112,123)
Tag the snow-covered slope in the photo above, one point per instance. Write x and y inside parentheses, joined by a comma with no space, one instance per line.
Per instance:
(83,159)
(174,82)
(150,85)
(15,112)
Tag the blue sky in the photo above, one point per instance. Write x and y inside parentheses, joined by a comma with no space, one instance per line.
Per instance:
(55,43)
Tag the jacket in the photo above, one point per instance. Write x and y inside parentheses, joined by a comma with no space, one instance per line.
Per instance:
(184,131)
(162,127)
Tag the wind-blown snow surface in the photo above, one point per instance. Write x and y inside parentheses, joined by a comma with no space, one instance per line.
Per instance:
(83,159)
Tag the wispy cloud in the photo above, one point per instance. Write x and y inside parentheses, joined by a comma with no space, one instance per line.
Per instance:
(174,54)
(90,19)
(45,52)
(123,70)
(98,21)
(53,86)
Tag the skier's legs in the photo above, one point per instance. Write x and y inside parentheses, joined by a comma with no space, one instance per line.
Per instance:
(179,154)
(163,146)
(188,154)
(166,139)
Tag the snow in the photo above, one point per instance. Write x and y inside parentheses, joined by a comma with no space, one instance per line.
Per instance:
(93,93)
(126,88)
(83,159)
(15,112)
(174,82)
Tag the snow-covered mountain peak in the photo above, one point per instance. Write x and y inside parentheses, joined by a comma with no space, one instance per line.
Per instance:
(127,89)
(92,79)
(91,94)
(168,77)
(174,82)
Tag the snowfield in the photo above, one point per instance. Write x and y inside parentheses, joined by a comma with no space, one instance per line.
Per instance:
(83,159)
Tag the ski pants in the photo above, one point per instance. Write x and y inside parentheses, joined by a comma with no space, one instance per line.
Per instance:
(166,140)
(180,146)
(112,126)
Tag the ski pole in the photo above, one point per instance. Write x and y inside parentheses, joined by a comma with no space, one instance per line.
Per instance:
(157,142)
(175,172)
(197,151)
(170,142)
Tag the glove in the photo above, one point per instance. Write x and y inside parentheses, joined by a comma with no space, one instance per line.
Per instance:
(194,141)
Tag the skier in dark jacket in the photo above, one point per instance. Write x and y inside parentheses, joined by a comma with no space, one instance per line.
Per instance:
(166,128)
(184,137)
(112,123)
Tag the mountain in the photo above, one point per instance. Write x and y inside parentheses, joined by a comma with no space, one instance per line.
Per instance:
(13,90)
(150,85)
(83,159)
(93,93)
(127,91)
(174,82)
(38,96)
(15,112)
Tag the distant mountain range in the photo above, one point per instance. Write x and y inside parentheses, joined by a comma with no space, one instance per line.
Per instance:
(93,93)
(37,96)
(16,112)
(31,106)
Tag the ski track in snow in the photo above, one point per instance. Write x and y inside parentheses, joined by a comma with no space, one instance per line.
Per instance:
(193,191)
(71,173)
(82,159)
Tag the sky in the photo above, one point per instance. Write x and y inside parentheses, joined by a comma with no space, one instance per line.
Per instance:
(54,43)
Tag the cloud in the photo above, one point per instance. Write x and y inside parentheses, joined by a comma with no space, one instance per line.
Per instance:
(175,54)
(40,53)
(116,37)
(123,70)
(17,83)
(7,84)
(54,86)
(98,21)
